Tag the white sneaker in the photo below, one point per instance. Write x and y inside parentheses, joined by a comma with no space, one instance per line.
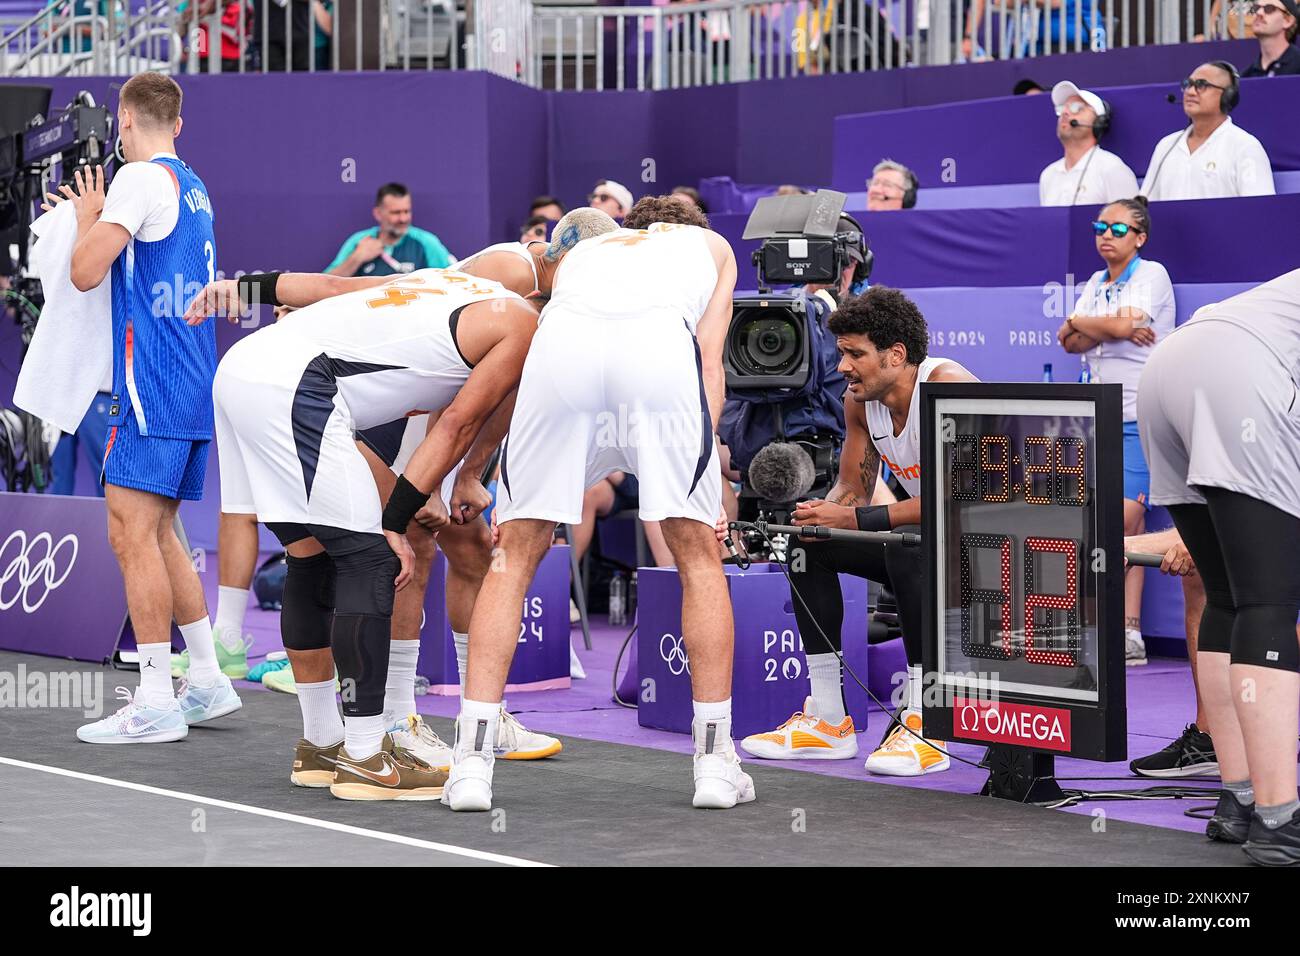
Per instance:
(200,704)
(576,671)
(1135,649)
(469,783)
(517,742)
(136,723)
(720,783)
(905,754)
(414,735)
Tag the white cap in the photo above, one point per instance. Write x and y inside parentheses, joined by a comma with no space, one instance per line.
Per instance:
(620,192)
(1065,89)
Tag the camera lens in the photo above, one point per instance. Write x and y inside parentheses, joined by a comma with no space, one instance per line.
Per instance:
(768,344)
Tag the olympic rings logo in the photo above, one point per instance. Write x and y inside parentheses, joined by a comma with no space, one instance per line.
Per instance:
(673,652)
(33,578)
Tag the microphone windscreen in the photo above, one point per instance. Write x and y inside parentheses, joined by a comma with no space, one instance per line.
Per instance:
(1171,98)
(782,472)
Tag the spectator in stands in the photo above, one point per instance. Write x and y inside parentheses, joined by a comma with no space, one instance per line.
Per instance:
(1027,87)
(892,186)
(611,197)
(84,13)
(394,245)
(1124,310)
(1212,158)
(534,230)
(690,196)
(232,51)
(323,12)
(1086,174)
(1275,23)
(288,24)
(1236,24)
(1065,24)
(548,207)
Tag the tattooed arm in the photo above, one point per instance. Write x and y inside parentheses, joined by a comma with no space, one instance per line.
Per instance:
(859,460)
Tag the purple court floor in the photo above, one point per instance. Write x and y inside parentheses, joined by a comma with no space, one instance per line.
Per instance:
(1160,703)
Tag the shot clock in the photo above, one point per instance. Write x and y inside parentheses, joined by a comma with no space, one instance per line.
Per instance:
(1022,495)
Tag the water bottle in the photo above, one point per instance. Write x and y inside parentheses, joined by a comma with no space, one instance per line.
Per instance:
(1085,374)
(617,598)
(1047,371)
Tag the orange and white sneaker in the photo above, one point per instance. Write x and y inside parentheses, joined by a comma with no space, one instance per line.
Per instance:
(905,754)
(805,736)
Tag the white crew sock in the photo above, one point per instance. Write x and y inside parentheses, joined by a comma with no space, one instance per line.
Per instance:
(156,675)
(203,670)
(399,691)
(717,713)
(914,693)
(321,723)
(826,676)
(462,657)
(229,623)
(468,737)
(363,735)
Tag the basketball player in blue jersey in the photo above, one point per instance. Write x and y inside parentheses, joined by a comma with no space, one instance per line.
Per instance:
(153,232)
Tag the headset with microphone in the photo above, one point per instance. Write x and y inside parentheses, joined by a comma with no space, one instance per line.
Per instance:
(1100,127)
(1228,101)
(858,237)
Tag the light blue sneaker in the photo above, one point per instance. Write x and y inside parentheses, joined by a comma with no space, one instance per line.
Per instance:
(200,704)
(136,723)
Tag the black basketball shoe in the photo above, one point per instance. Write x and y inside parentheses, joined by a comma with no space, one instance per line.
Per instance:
(1231,820)
(1191,755)
(1274,847)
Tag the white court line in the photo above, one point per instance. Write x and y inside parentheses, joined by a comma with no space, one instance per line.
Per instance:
(279,815)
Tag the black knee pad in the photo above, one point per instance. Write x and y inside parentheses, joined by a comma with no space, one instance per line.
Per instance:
(365,580)
(1265,635)
(361,655)
(308,604)
(1215,633)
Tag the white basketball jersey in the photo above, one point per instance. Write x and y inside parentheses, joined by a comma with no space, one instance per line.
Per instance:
(664,271)
(390,348)
(902,452)
(514,248)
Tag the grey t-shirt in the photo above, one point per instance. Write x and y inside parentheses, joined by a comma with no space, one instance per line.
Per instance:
(1270,312)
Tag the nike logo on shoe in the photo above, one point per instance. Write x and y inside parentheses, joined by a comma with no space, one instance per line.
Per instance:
(389,777)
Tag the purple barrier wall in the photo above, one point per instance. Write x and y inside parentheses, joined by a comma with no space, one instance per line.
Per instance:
(968,247)
(954,144)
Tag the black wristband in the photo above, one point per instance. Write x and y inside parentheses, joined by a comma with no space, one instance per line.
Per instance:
(873,518)
(403,503)
(258,288)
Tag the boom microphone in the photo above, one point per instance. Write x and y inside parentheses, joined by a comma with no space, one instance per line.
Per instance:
(1171,98)
(782,472)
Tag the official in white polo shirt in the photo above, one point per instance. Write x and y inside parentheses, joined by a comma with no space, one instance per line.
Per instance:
(1086,174)
(1125,309)
(1212,158)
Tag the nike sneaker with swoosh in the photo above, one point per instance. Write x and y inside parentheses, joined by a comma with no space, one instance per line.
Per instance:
(517,742)
(417,737)
(314,766)
(390,774)
(905,754)
(805,736)
(201,704)
(136,723)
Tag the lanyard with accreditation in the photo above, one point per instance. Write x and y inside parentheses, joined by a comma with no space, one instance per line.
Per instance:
(1111,292)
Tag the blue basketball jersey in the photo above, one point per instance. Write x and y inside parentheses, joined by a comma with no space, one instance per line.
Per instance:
(163,368)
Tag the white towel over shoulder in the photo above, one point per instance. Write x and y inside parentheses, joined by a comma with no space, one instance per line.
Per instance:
(71,355)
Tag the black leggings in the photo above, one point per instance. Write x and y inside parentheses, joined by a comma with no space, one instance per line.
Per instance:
(816,578)
(1248,555)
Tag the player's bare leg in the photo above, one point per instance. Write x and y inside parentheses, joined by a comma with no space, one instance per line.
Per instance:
(494,633)
(708,630)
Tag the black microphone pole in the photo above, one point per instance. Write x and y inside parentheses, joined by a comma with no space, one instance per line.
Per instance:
(838,534)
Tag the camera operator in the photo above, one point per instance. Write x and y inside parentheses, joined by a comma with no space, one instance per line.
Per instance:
(882,338)
(756,418)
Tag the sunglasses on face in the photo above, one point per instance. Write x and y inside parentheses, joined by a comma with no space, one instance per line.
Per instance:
(1074,108)
(1117,229)
(600,197)
(1264,8)
(1200,85)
